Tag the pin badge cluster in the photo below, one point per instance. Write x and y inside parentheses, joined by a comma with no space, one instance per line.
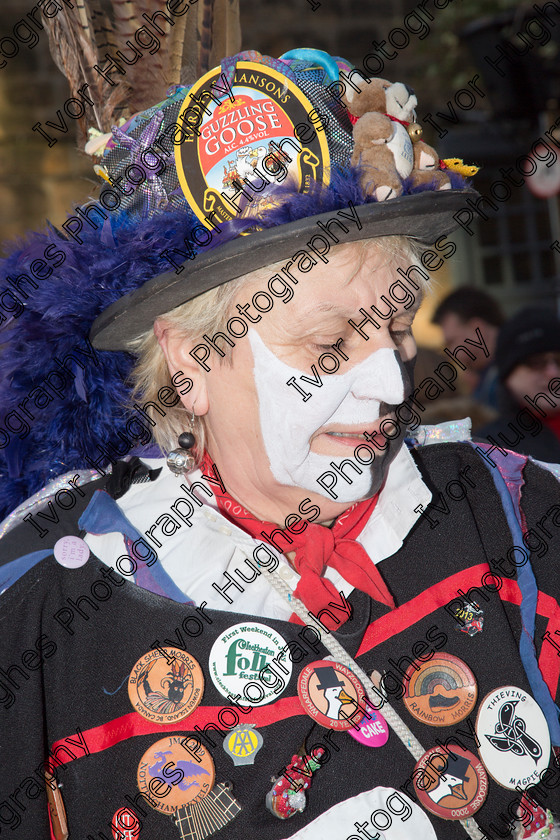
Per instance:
(165,686)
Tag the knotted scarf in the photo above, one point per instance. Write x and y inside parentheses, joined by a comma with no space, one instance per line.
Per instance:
(316,547)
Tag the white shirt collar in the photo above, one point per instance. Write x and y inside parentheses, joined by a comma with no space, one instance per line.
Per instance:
(212,548)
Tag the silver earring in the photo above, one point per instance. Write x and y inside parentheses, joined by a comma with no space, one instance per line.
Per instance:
(181,460)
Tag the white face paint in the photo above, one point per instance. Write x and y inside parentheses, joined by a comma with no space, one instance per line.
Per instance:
(350,399)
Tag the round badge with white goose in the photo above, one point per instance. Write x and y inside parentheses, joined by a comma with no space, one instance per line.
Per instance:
(331,694)
(250,662)
(452,784)
(514,737)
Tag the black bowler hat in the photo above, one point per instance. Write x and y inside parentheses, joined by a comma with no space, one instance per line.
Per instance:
(252,197)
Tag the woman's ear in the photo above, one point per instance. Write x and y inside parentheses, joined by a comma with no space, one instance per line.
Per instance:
(186,374)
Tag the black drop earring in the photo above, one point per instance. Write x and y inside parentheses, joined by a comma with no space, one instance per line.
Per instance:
(181,461)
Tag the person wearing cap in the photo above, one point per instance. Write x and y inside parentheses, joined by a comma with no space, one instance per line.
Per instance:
(240,388)
(528,363)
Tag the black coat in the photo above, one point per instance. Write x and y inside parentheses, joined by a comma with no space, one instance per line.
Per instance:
(72,685)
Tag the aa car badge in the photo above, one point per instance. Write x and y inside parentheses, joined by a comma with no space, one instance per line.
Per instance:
(331,694)
(166,685)
(245,139)
(441,691)
(450,783)
(242,744)
(514,737)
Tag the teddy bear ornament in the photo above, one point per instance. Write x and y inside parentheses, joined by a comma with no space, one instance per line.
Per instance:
(387,141)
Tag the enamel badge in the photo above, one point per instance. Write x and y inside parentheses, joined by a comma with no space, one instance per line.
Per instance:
(239,140)
(125,825)
(470,618)
(242,744)
(514,737)
(204,818)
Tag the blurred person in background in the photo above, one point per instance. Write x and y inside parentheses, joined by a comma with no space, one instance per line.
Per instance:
(452,405)
(528,365)
(459,315)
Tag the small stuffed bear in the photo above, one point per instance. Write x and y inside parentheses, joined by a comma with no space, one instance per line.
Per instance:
(382,144)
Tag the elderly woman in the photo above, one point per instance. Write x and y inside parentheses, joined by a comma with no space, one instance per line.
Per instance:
(294,623)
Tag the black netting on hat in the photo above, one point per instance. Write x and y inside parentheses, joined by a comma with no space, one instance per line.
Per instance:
(339,128)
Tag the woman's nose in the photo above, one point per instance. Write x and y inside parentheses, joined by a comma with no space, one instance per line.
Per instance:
(380,377)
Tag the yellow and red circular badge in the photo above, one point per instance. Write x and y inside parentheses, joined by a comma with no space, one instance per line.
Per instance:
(166,685)
(170,778)
(440,692)
(235,143)
(451,783)
(331,694)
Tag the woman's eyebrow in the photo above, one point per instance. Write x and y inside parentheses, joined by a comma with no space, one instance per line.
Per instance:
(345,311)
(322,308)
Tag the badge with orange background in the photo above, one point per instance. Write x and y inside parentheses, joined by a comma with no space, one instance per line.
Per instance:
(440,692)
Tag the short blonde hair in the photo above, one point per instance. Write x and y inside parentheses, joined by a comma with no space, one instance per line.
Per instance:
(208,313)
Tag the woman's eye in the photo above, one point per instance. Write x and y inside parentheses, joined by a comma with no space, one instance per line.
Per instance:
(400,335)
(325,347)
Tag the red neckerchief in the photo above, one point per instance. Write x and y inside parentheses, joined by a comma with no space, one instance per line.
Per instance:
(316,548)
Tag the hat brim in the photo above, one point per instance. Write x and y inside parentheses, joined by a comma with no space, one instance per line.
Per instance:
(423,216)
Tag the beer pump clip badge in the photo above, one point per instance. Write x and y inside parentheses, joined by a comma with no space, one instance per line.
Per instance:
(248,134)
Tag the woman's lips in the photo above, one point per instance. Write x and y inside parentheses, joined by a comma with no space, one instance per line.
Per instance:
(350,439)
(353,437)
